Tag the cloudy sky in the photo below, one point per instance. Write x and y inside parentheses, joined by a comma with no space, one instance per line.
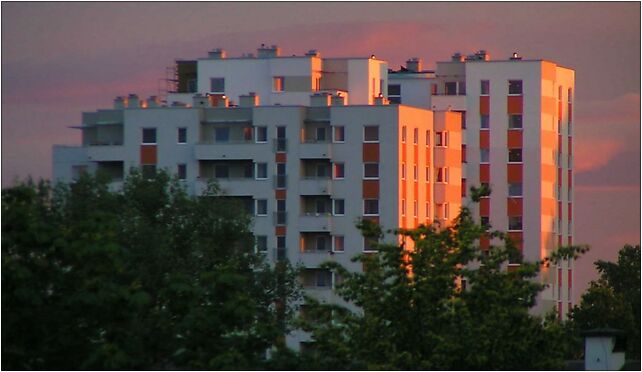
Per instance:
(59,59)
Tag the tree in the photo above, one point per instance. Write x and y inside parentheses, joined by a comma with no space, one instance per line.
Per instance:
(415,312)
(148,278)
(613,300)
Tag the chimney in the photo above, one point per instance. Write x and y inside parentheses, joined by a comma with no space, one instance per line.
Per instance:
(120,103)
(265,51)
(153,101)
(133,101)
(414,64)
(199,100)
(313,53)
(380,100)
(515,57)
(320,99)
(223,101)
(479,56)
(249,100)
(217,53)
(457,57)
(338,100)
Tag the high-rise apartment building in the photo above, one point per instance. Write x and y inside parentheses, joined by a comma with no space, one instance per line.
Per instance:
(310,144)
(517,138)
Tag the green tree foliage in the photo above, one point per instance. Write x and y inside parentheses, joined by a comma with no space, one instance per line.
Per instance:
(613,301)
(413,313)
(148,278)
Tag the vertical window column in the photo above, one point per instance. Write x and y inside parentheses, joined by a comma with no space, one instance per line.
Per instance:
(370,184)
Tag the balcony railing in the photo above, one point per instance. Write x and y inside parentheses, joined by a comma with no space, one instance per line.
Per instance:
(229,142)
(280,181)
(280,144)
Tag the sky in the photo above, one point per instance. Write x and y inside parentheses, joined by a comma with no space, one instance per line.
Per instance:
(60,59)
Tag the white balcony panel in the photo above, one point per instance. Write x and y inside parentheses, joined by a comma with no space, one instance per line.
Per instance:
(234,186)
(106,153)
(314,222)
(454,103)
(315,186)
(320,150)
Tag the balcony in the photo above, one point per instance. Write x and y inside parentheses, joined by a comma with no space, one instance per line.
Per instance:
(233,150)
(315,186)
(446,102)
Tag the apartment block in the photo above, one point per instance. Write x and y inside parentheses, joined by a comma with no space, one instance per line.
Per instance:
(517,138)
(310,144)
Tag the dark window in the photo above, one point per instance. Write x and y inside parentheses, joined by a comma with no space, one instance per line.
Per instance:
(182,135)
(514,189)
(371,133)
(339,207)
(370,244)
(371,170)
(485,87)
(261,170)
(514,87)
(485,121)
(320,134)
(261,134)
(261,243)
(149,135)
(515,121)
(339,170)
(280,132)
(485,222)
(149,171)
(462,88)
(371,206)
(261,207)
(339,134)
(515,223)
(182,171)
(394,90)
(514,155)
(217,85)
(484,155)
(451,88)
(395,100)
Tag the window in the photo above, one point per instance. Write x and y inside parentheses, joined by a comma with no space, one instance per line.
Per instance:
(515,121)
(182,171)
(403,207)
(280,132)
(182,135)
(281,178)
(485,186)
(339,134)
(427,174)
(514,189)
(281,142)
(371,133)
(485,222)
(339,171)
(261,207)
(515,223)
(261,171)
(433,89)
(277,84)
(320,134)
(446,211)
(371,207)
(394,93)
(403,171)
(338,245)
(514,155)
(261,134)
(261,244)
(514,87)
(149,135)
(415,136)
(322,171)
(217,85)
(451,88)
(570,95)
(403,134)
(441,139)
(221,171)
(461,88)
(371,170)
(320,206)
(281,250)
(416,209)
(222,134)
(148,170)
(484,155)
(442,175)
(415,173)
(339,207)
(463,154)
(485,87)
(370,244)
(484,121)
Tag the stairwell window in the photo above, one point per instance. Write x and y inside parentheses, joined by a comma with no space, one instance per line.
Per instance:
(442,175)
(339,135)
(261,207)
(485,87)
(338,243)
(484,121)
(370,133)
(515,189)
(371,207)
(515,121)
(338,171)
(515,223)
(484,155)
(514,155)
(441,139)
(371,171)
(261,171)
(182,135)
